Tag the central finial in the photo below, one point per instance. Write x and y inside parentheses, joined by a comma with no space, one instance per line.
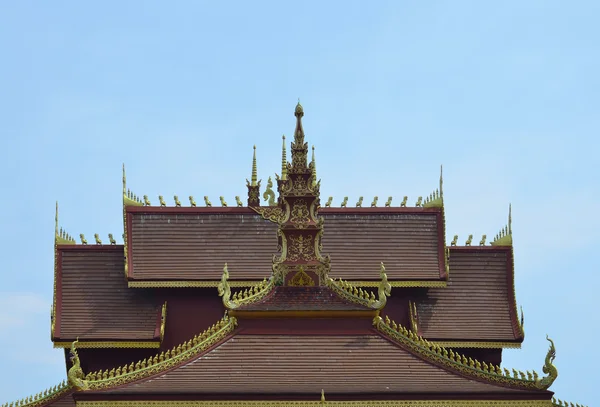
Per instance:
(299,112)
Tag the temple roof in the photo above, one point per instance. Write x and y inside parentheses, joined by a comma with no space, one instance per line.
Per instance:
(93,301)
(478,302)
(303,299)
(192,244)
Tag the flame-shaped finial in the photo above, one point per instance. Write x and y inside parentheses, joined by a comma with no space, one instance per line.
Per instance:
(283,161)
(254,179)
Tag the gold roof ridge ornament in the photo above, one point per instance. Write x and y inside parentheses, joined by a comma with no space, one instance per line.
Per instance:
(60,235)
(43,398)
(468,366)
(504,237)
(436,198)
(254,184)
(250,295)
(359,296)
(75,374)
(269,194)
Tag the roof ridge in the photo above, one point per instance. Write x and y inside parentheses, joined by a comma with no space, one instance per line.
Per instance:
(468,367)
(43,397)
(161,362)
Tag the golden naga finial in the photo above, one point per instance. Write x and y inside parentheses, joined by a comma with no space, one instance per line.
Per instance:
(192,202)
(269,194)
(404,201)
(162,201)
(504,237)
(111,239)
(454,240)
(82,237)
(177,202)
(283,161)
(238,202)
(75,374)
(469,240)
(328,203)
(419,202)
(388,203)
(549,368)
(225,290)
(206,201)
(374,203)
(482,241)
(359,202)
(147,201)
(344,202)
(384,290)
(97,238)
(223,203)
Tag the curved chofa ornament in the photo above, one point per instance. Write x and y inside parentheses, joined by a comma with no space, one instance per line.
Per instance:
(384,290)
(249,295)
(549,368)
(357,295)
(75,374)
(225,290)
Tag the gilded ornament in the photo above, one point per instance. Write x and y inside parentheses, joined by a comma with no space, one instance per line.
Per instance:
(192,202)
(163,320)
(238,202)
(269,195)
(419,204)
(300,216)
(359,202)
(206,201)
(75,374)
(404,201)
(97,239)
(482,241)
(223,203)
(300,247)
(82,237)
(344,202)
(328,203)
(301,279)
(111,239)
(504,237)
(549,368)
(388,203)
(161,201)
(469,240)
(374,203)
(147,201)
(177,201)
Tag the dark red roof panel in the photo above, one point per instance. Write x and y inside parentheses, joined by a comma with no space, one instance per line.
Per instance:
(271,364)
(303,299)
(475,305)
(93,301)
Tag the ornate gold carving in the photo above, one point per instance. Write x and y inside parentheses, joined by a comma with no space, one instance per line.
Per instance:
(328,203)
(559,403)
(206,201)
(192,202)
(161,201)
(479,345)
(359,202)
(147,201)
(405,284)
(109,345)
(163,361)
(301,279)
(44,398)
(548,368)
(283,160)
(248,296)
(111,239)
(466,366)
(316,403)
(482,241)
(75,374)
(97,239)
(273,213)
(434,200)
(82,238)
(238,202)
(344,202)
(404,201)
(469,240)
(419,202)
(300,247)
(360,296)
(269,194)
(163,320)
(300,216)
(504,237)
(388,203)
(177,201)
(412,311)
(223,203)
(454,240)
(374,203)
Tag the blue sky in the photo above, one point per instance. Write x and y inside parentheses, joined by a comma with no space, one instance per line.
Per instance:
(504,94)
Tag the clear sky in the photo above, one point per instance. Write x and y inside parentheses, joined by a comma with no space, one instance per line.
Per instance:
(504,94)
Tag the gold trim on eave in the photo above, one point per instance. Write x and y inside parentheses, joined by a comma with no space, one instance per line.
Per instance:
(483,345)
(97,344)
(297,403)
(190,284)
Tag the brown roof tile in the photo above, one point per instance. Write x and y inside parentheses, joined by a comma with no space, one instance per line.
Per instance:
(475,305)
(64,401)
(195,243)
(93,301)
(303,299)
(268,364)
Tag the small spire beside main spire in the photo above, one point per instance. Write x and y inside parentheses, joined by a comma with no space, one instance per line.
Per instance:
(314,167)
(283,161)
(253,184)
(254,179)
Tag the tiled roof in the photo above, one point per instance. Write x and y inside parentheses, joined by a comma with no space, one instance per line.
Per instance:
(194,243)
(475,305)
(93,301)
(270,364)
(65,401)
(303,299)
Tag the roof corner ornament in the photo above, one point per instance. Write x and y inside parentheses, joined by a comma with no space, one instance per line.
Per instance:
(384,290)
(504,237)
(254,184)
(436,198)
(414,320)
(61,236)
(163,321)
(549,368)
(225,290)
(75,374)
(269,194)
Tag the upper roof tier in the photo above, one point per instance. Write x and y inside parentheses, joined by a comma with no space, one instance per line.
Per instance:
(168,246)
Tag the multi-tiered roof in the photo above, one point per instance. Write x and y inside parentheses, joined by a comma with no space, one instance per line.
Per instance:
(362,305)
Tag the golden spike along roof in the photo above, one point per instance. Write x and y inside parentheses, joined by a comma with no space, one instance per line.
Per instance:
(504,237)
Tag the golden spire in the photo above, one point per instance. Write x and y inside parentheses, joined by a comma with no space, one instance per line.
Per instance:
(254,171)
(441,181)
(283,161)
(124,181)
(510,219)
(56,221)
(314,167)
